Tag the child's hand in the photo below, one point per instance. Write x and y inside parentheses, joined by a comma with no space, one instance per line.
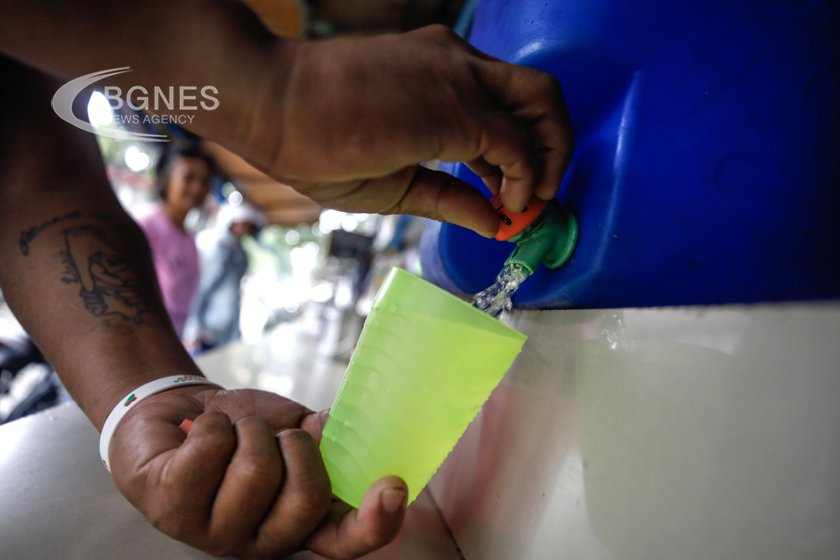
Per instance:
(231,487)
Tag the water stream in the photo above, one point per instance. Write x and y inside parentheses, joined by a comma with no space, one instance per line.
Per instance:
(496,298)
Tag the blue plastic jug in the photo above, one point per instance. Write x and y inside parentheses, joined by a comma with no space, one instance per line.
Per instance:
(707,161)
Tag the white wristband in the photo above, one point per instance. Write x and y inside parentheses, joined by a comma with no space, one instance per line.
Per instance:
(130,400)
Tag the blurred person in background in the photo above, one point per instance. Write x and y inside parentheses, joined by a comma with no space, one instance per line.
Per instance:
(215,311)
(183,176)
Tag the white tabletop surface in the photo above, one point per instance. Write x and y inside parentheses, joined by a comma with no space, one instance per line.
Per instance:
(704,433)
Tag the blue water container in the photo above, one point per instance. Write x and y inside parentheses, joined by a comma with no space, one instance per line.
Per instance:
(707,161)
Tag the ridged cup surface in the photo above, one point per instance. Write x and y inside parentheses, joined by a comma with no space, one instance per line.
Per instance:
(424,365)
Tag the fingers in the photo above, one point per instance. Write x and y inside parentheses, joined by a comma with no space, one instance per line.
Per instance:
(313,424)
(350,533)
(265,501)
(305,497)
(231,489)
(525,132)
(490,175)
(442,197)
(505,145)
(279,412)
(189,481)
(250,484)
(536,100)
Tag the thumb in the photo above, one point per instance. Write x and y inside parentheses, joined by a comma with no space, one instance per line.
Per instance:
(442,197)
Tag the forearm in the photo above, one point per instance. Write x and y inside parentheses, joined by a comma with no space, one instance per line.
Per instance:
(76,269)
(218,43)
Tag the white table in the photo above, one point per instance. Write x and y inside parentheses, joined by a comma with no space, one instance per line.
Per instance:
(697,433)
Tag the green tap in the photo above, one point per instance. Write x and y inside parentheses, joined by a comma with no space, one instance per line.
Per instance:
(550,240)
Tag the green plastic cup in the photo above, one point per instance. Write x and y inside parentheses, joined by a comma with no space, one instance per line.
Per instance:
(425,363)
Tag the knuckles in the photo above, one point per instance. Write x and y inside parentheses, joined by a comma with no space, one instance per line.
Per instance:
(344,556)
(222,546)
(311,498)
(260,470)
(311,495)
(441,33)
(188,529)
(546,85)
(218,443)
(174,523)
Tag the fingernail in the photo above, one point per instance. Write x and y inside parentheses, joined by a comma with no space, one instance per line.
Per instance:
(393,499)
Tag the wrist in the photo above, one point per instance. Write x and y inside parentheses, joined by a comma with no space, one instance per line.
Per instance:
(136,397)
(248,65)
(99,404)
(250,119)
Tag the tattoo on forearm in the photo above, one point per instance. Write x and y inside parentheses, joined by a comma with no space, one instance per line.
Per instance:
(29,235)
(107,283)
(104,277)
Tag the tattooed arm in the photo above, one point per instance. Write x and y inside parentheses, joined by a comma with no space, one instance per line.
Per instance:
(75,267)
(76,271)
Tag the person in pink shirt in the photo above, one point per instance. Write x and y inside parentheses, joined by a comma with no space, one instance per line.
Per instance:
(183,179)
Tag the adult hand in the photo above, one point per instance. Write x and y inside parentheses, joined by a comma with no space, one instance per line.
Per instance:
(344,121)
(347,121)
(234,487)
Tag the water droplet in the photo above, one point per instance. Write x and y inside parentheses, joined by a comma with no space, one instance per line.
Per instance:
(615,332)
